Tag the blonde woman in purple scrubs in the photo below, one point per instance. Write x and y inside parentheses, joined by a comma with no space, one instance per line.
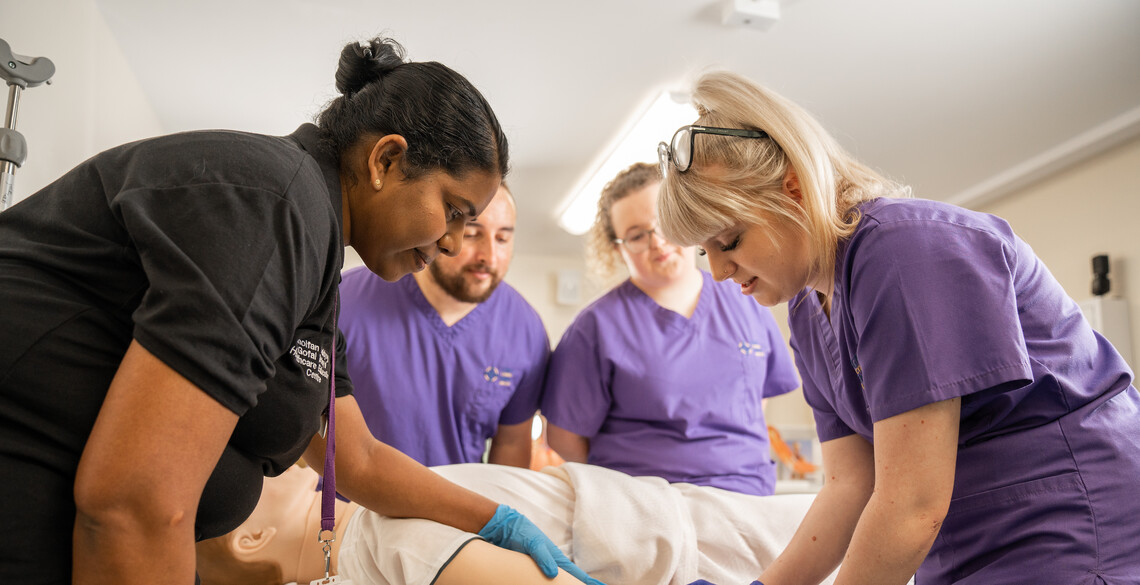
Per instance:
(975,429)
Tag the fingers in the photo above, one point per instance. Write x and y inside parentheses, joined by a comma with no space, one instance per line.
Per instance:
(542,556)
(574,570)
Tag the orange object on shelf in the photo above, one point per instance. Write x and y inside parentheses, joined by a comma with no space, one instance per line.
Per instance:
(792,459)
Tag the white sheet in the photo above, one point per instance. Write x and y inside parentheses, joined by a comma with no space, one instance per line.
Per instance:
(620,529)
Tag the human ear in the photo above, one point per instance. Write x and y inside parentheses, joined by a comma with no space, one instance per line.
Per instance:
(792,185)
(250,542)
(384,158)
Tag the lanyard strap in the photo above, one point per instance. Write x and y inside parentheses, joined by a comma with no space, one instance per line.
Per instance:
(328,487)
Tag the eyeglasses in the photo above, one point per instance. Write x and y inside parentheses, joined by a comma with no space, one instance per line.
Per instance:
(680,150)
(638,241)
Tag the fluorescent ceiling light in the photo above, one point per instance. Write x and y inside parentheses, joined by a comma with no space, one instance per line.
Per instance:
(637,144)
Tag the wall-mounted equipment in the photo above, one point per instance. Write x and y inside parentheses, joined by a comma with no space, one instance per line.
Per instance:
(757,14)
(1108,315)
(20,73)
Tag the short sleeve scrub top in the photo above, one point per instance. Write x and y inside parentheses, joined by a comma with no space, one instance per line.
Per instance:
(680,398)
(934,302)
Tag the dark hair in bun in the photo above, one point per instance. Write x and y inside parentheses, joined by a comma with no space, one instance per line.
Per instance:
(362,64)
(448,124)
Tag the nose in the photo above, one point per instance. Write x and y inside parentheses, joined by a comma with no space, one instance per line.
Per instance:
(656,240)
(452,240)
(721,267)
(484,247)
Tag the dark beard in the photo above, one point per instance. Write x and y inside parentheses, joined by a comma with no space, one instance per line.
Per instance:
(456,286)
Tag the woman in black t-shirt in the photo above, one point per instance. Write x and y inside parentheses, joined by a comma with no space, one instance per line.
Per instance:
(169,321)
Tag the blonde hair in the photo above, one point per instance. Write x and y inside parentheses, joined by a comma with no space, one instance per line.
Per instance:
(740,180)
(602,257)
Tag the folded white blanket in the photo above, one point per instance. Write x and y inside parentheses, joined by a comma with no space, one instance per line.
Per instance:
(645,530)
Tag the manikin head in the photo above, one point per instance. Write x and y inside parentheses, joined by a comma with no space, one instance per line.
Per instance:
(278,542)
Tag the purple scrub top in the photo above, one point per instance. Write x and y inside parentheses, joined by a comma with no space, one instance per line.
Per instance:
(934,302)
(434,392)
(659,394)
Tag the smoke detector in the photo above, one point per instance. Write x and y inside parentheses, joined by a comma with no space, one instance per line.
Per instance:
(757,14)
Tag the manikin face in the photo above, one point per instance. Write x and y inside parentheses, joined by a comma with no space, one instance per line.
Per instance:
(400,225)
(488,245)
(278,528)
(662,263)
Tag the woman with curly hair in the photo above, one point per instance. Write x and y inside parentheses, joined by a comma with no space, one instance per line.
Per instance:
(667,373)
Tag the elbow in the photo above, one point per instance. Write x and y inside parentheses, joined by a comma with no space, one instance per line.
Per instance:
(922,512)
(933,515)
(105,511)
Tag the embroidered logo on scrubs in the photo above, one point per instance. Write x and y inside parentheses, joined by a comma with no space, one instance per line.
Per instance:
(499,376)
(311,358)
(858,371)
(753,349)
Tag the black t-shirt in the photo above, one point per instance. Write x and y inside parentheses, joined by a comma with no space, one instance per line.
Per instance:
(220,252)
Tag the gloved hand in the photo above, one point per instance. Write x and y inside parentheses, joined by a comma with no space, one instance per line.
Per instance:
(513,531)
(703,582)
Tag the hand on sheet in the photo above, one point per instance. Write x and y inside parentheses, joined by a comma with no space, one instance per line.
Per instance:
(510,530)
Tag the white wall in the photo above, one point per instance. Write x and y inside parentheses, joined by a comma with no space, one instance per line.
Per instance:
(94,101)
(1089,209)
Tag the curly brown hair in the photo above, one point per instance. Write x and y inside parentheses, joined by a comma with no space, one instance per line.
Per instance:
(601,256)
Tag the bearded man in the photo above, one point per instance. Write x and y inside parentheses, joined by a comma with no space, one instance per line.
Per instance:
(451,356)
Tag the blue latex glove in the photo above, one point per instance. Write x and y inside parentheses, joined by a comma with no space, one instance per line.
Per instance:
(703,582)
(510,530)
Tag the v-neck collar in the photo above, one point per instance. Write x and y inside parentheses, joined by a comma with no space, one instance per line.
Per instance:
(671,318)
(412,288)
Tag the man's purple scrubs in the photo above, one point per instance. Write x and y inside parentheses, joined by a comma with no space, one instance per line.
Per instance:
(934,302)
(659,394)
(434,392)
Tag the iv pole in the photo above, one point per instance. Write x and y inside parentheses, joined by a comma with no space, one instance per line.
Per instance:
(20,73)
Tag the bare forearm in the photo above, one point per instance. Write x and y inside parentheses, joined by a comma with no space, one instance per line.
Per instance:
(514,453)
(393,484)
(889,544)
(820,541)
(915,458)
(570,446)
(139,481)
(511,445)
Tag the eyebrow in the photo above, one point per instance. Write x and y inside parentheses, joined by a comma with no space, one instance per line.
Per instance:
(470,206)
(480,225)
(641,228)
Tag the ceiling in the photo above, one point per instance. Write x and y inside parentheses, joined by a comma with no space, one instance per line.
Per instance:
(962,99)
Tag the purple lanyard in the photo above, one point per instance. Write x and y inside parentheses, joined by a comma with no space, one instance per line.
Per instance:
(328,486)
